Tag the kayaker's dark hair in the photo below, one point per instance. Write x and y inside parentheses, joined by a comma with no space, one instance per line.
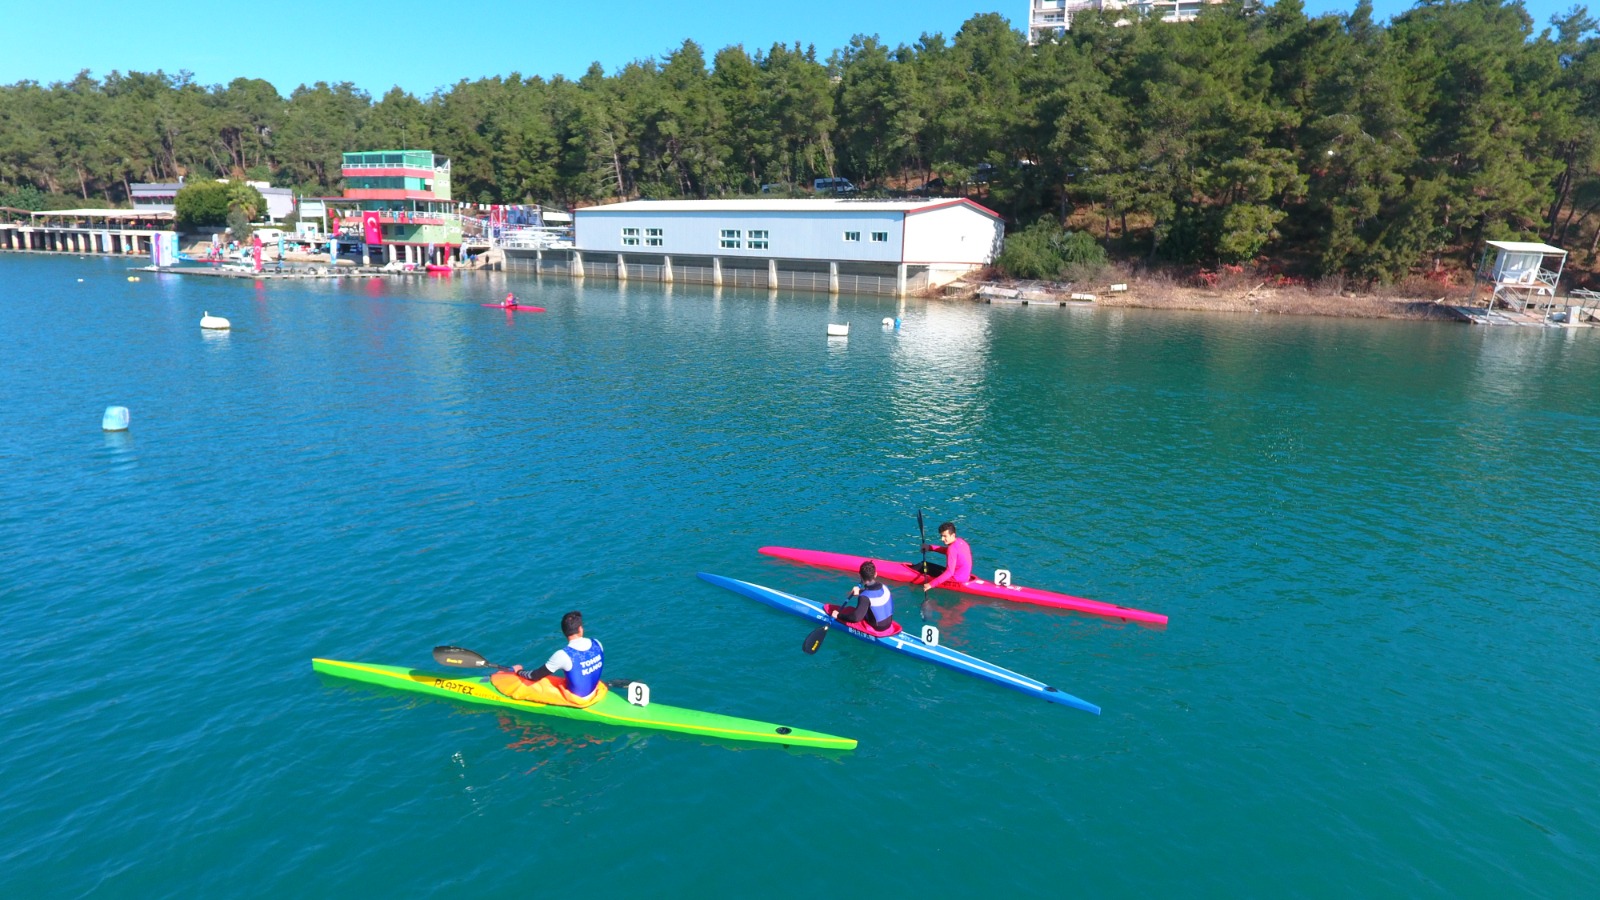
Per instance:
(948,526)
(869,571)
(571,622)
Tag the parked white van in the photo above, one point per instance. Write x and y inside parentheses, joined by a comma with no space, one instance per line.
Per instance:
(833,186)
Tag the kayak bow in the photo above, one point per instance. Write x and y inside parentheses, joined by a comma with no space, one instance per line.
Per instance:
(611,710)
(905,642)
(908,574)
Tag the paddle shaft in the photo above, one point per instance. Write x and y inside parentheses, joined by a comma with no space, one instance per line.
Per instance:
(922,532)
(813,641)
(462,658)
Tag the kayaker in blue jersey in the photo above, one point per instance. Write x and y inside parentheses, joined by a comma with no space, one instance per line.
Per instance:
(582,659)
(873,606)
(958,553)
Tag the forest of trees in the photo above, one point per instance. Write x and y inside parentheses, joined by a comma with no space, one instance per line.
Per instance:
(1337,145)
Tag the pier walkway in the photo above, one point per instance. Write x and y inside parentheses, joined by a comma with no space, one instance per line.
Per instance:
(115,232)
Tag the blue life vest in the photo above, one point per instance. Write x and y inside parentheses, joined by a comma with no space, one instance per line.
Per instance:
(584,676)
(882,603)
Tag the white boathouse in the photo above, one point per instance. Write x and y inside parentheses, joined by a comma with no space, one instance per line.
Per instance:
(859,246)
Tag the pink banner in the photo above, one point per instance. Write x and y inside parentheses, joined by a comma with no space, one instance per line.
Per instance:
(371,227)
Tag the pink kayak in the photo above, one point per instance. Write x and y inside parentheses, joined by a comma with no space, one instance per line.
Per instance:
(905,572)
(517,308)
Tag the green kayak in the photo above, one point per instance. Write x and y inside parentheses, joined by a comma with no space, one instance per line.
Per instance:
(611,710)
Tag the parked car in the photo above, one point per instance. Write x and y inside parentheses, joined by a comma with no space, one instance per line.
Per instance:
(833,186)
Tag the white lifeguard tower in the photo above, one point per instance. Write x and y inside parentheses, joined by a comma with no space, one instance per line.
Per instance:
(1518,275)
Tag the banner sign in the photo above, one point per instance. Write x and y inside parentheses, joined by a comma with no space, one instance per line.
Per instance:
(371,227)
(164,248)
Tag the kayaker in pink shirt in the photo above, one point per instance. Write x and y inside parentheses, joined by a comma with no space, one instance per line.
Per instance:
(957,552)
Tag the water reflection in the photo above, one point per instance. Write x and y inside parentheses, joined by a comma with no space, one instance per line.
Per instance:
(939,404)
(119,451)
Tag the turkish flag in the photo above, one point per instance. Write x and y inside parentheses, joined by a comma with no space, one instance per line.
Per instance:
(371,227)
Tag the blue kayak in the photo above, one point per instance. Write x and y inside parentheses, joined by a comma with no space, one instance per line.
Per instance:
(905,643)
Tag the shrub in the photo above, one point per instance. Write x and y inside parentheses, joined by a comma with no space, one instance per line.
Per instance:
(202,203)
(23,197)
(1045,251)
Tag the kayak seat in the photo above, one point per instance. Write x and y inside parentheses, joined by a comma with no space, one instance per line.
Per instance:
(893,629)
(550,690)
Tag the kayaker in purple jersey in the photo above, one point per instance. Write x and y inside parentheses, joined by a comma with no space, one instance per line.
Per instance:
(959,554)
(873,606)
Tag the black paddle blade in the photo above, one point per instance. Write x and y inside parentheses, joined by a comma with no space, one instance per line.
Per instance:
(814,639)
(459,657)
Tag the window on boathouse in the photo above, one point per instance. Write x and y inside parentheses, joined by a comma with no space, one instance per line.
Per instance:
(852,236)
(758,240)
(630,237)
(653,237)
(880,237)
(730,239)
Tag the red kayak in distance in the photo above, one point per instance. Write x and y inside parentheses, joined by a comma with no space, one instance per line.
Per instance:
(516,308)
(906,573)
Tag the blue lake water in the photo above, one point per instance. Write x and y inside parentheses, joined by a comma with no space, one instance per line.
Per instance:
(1376,542)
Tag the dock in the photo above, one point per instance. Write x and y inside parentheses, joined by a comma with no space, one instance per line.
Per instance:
(288,273)
(1535,317)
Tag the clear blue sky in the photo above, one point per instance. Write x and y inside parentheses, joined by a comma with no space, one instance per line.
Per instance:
(422,45)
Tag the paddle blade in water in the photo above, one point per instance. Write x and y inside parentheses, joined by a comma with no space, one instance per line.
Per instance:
(814,639)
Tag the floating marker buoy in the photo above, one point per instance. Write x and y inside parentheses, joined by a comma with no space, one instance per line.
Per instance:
(888,322)
(210,321)
(133,278)
(839,330)
(115,419)
(80,281)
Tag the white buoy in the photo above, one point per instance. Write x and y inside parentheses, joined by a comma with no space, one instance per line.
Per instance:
(838,330)
(210,321)
(888,321)
(115,419)
(133,278)
(80,281)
